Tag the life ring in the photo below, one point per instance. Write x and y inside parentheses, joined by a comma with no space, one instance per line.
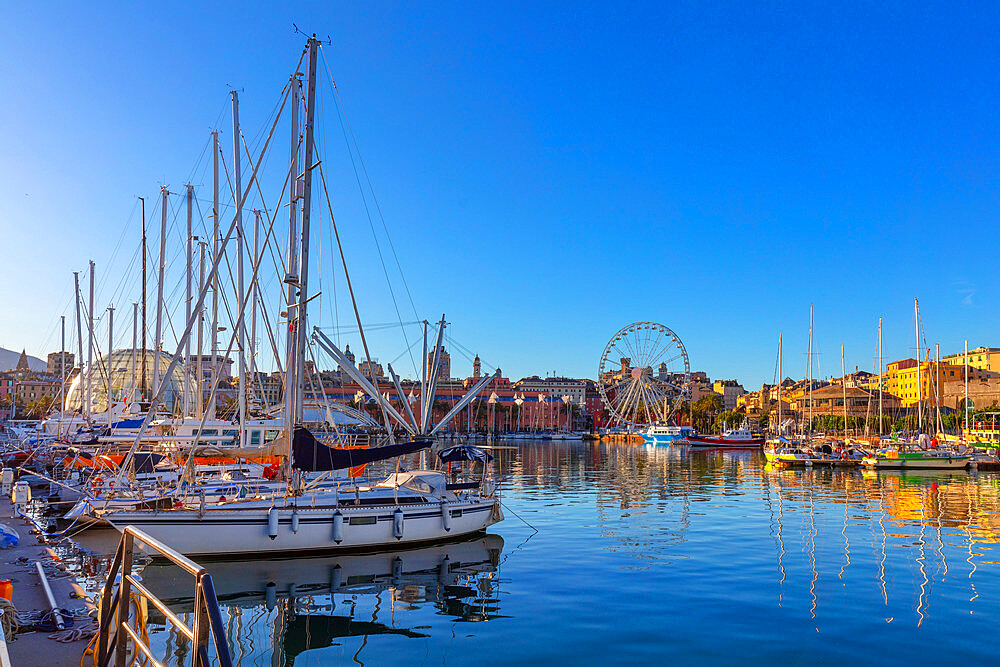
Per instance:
(96,485)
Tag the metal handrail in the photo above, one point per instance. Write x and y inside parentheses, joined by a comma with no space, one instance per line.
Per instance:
(115,607)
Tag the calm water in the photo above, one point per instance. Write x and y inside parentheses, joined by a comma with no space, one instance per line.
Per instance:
(643,554)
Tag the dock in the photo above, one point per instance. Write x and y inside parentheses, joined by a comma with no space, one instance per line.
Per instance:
(18,565)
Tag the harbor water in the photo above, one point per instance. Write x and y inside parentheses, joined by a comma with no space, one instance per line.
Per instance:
(624,553)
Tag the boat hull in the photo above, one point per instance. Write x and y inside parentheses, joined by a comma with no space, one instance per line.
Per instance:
(217,532)
(709,441)
(921,463)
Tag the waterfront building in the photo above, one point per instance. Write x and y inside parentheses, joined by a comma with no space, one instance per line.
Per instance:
(58,363)
(829,400)
(477,368)
(223,365)
(555,388)
(981,358)
(444,363)
(730,390)
(900,378)
(371,369)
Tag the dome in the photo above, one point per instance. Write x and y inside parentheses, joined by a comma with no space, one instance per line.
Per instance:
(125,379)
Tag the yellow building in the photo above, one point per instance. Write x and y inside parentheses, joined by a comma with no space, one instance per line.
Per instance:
(900,378)
(983,358)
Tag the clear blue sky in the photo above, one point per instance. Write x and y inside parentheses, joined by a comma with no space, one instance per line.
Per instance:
(548,172)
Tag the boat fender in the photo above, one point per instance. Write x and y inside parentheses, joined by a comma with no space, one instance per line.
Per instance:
(336,577)
(272,522)
(397,571)
(397,524)
(271,595)
(295,521)
(338,527)
(446,516)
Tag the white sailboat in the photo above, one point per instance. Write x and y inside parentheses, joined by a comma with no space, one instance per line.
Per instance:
(406,507)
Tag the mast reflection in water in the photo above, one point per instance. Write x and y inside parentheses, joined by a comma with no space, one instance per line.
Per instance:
(640,553)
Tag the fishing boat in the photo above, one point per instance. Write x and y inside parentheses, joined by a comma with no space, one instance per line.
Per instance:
(736,438)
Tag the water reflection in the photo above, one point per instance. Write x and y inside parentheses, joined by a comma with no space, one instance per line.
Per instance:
(778,560)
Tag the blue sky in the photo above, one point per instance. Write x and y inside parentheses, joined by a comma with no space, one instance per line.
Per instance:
(548,173)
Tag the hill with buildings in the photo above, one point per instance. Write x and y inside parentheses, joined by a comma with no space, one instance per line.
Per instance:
(9,359)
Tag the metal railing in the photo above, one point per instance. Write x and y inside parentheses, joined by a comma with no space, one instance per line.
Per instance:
(116,603)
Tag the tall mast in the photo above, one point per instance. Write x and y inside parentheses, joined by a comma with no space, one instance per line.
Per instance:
(158,339)
(241,330)
(135,334)
(291,277)
(107,364)
(90,340)
(300,313)
(843,385)
(215,365)
(199,398)
(916,320)
(780,376)
(62,374)
(79,331)
(142,359)
(966,364)
(255,296)
(880,377)
(187,302)
(810,368)
(937,386)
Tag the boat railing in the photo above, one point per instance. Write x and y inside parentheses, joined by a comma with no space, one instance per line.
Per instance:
(116,604)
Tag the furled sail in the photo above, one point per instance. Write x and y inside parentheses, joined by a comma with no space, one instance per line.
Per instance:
(311,455)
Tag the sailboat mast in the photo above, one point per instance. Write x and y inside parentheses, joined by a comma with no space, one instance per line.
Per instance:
(300,313)
(937,386)
(880,377)
(199,396)
(843,385)
(780,376)
(107,365)
(291,279)
(158,334)
(90,340)
(255,291)
(142,359)
(62,374)
(810,368)
(916,321)
(187,301)
(79,327)
(966,364)
(241,398)
(215,364)
(135,336)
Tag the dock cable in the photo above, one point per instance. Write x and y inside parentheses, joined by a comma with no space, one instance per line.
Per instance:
(523,520)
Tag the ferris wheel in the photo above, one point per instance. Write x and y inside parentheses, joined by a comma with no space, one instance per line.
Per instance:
(643,375)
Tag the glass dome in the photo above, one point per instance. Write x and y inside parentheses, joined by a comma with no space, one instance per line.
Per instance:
(126,381)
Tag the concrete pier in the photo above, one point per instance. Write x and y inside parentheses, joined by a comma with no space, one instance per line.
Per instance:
(18,565)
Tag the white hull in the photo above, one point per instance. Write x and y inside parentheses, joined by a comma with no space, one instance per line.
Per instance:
(221,530)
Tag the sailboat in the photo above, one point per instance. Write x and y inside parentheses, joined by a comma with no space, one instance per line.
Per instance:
(406,507)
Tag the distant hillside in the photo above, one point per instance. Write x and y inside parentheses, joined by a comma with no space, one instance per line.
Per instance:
(8,359)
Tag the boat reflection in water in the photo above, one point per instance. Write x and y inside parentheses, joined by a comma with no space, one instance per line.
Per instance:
(278,608)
